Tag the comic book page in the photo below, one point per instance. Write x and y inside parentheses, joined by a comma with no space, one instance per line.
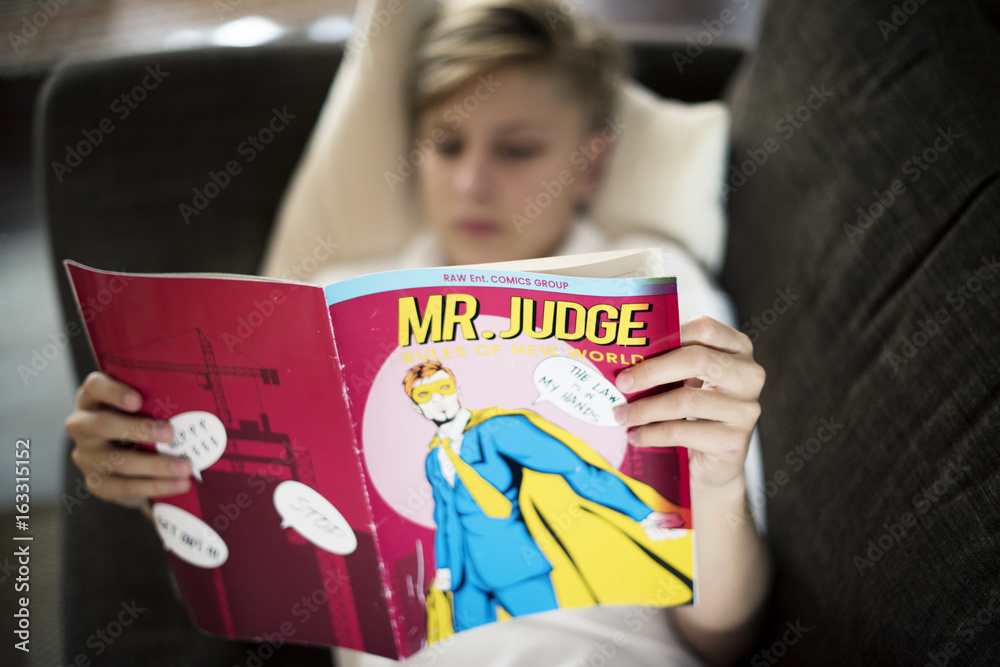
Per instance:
(274,538)
(499,481)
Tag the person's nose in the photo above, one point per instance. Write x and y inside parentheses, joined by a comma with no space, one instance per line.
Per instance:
(474,178)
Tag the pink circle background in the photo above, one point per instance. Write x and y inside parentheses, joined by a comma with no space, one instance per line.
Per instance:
(396,438)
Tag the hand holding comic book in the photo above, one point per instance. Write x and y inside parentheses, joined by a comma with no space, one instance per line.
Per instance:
(712,413)
(105,421)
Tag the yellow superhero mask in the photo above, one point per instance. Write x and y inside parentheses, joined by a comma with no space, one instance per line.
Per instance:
(423,393)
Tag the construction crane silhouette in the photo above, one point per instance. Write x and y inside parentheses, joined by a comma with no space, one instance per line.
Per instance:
(333,568)
(209,378)
(299,464)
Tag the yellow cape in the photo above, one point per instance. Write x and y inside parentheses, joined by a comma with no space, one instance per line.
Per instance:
(598,555)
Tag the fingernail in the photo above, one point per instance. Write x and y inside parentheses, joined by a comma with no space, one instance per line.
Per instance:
(633,436)
(621,414)
(181,467)
(182,484)
(163,432)
(624,381)
(133,401)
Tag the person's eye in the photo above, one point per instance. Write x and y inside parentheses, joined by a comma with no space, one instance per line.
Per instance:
(449,147)
(422,394)
(521,151)
(445,387)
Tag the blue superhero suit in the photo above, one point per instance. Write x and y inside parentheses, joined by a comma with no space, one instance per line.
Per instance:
(497,561)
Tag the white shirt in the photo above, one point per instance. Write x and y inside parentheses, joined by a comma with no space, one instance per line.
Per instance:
(607,635)
(453,433)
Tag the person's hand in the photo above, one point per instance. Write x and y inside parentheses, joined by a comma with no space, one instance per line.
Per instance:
(102,425)
(663,526)
(442,579)
(714,411)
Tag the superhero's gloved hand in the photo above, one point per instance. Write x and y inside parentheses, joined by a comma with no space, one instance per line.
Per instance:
(442,579)
(663,526)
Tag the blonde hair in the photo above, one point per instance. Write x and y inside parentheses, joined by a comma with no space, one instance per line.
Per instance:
(468,39)
(422,372)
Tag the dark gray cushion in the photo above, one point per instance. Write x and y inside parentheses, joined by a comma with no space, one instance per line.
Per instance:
(119,208)
(865,202)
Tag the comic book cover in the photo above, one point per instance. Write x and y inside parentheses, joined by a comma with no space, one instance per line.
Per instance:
(399,457)
(483,406)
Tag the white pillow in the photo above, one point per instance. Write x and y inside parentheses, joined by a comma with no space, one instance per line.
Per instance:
(343,205)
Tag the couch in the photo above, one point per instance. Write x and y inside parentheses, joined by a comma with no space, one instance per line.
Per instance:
(864,228)
(864,201)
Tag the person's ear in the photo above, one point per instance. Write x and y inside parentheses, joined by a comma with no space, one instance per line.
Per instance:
(593,172)
(416,408)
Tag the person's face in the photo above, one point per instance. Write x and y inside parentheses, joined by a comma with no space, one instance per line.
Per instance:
(437,398)
(506,171)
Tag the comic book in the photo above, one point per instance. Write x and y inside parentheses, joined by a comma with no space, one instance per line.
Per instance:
(395,458)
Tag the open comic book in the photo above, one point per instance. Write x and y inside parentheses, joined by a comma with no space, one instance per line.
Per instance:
(391,459)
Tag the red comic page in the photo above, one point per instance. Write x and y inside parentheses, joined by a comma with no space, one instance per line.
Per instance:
(274,540)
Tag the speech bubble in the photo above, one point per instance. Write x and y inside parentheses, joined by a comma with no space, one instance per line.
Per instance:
(198,436)
(578,390)
(191,539)
(304,509)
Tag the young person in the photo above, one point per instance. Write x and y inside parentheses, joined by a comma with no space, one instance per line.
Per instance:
(544,84)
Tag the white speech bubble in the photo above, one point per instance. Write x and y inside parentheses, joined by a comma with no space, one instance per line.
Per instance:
(312,515)
(578,390)
(198,436)
(191,539)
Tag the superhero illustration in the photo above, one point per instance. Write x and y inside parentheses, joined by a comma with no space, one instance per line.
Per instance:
(530,518)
